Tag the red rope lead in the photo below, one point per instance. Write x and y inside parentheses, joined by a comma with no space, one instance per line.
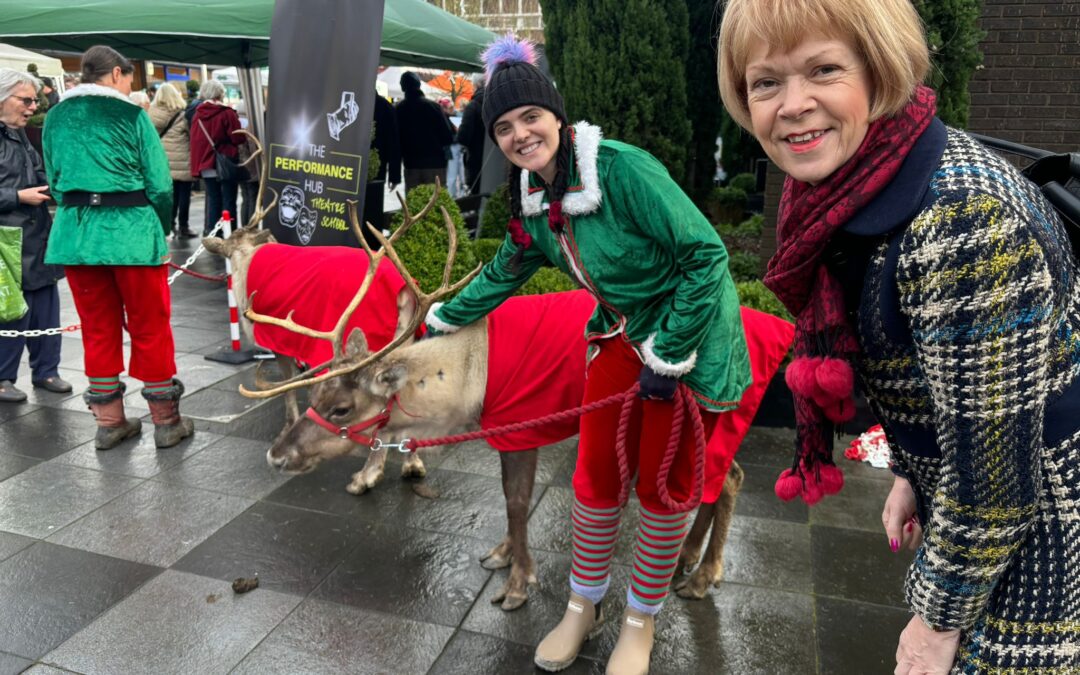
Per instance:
(683,401)
(207,277)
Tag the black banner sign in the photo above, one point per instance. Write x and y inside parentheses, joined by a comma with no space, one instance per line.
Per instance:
(324,55)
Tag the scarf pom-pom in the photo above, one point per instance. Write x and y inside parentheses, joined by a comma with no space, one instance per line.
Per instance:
(812,491)
(507,49)
(835,377)
(840,411)
(801,376)
(832,479)
(788,486)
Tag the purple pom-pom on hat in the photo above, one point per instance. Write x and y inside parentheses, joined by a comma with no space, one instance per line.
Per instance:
(507,49)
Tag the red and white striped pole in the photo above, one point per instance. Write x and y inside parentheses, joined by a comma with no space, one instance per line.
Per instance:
(234,314)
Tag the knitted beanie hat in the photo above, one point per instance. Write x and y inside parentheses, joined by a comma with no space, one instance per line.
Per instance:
(513,80)
(409,81)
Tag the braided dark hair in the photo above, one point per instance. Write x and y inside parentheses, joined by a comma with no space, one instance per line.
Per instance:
(555,191)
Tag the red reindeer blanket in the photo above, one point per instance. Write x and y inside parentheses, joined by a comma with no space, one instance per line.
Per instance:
(318,282)
(536,366)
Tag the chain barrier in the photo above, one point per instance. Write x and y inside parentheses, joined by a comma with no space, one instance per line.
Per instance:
(180,269)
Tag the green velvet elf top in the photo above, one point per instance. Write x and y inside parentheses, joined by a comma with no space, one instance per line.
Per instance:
(640,246)
(96,140)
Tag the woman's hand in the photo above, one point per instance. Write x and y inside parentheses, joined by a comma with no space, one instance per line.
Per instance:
(924,651)
(656,387)
(901,524)
(34,196)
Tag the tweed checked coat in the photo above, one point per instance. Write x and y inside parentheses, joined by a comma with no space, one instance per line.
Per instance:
(968,316)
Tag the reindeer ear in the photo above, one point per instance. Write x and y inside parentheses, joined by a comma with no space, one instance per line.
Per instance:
(389,379)
(356,346)
(215,245)
(263,237)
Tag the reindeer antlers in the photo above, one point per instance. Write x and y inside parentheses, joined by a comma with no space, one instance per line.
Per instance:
(260,212)
(424,301)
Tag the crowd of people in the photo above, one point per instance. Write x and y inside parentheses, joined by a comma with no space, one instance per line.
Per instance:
(917,264)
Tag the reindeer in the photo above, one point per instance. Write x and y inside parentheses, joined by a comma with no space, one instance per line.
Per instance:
(437,387)
(322,270)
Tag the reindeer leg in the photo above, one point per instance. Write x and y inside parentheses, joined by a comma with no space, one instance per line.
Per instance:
(518,476)
(413,466)
(691,548)
(368,477)
(711,569)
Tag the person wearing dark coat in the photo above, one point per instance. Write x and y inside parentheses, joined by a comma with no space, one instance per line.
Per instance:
(471,136)
(212,130)
(23,198)
(425,135)
(386,141)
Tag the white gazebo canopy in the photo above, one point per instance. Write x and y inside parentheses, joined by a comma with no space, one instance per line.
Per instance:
(17,59)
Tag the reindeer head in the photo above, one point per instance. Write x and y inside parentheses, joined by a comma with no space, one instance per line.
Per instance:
(352,398)
(243,241)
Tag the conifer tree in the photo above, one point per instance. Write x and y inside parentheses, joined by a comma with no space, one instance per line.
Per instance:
(620,65)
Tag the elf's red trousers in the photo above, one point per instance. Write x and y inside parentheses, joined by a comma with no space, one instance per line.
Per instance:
(596,479)
(103,295)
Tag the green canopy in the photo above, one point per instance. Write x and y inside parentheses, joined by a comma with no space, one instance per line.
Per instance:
(226,32)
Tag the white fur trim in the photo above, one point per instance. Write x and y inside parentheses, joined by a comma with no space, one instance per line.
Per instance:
(587,139)
(662,367)
(437,323)
(95,90)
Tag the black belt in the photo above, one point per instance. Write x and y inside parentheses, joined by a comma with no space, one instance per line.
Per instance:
(75,198)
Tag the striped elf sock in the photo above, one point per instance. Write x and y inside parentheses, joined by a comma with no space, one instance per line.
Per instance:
(157,387)
(660,538)
(104,385)
(595,532)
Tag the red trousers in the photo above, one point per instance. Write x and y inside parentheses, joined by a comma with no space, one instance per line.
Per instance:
(596,478)
(103,295)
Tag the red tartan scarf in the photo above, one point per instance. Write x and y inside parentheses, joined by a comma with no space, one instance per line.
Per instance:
(821,377)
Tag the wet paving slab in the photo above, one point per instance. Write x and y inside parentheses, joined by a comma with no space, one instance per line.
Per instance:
(121,561)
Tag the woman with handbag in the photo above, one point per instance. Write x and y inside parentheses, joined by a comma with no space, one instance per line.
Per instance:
(110,177)
(214,151)
(167,114)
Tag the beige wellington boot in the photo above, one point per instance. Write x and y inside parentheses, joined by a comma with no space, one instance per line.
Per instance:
(634,647)
(561,646)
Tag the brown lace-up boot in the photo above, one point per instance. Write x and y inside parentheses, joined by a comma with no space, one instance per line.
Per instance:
(113,426)
(634,647)
(561,646)
(169,427)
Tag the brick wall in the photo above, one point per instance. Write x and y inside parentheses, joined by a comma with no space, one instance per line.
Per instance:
(522,17)
(1028,88)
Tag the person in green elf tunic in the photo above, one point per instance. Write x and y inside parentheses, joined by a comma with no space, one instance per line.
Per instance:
(668,313)
(110,176)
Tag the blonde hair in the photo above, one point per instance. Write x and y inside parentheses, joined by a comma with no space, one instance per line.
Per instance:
(887,34)
(168,97)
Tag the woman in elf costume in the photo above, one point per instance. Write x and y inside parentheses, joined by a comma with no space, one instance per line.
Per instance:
(110,176)
(609,215)
(917,259)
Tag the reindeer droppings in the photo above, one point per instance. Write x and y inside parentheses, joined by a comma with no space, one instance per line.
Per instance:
(242,585)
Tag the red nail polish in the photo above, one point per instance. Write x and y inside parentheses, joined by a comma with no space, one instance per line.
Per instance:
(909,526)
(894,545)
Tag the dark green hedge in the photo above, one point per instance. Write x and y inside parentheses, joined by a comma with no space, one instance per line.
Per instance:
(423,249)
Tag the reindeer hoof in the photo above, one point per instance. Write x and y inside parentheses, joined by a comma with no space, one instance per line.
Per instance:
(356,487)
(495,561)
(413,471)
(513,602)
(696,586)
(510,599)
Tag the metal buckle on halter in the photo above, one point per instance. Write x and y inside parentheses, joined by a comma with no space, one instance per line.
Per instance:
(343,432)
(402,447)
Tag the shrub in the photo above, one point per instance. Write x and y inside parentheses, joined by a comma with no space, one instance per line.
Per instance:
(496,213)
(747,182)
(744,266)
(192,87)
(727,204)
(755,295)
(547,280)
(485,248)
(745,237)
(423,249)
(374,163)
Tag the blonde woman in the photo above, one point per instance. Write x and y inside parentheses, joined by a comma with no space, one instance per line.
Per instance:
(920,262)
(167,114)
